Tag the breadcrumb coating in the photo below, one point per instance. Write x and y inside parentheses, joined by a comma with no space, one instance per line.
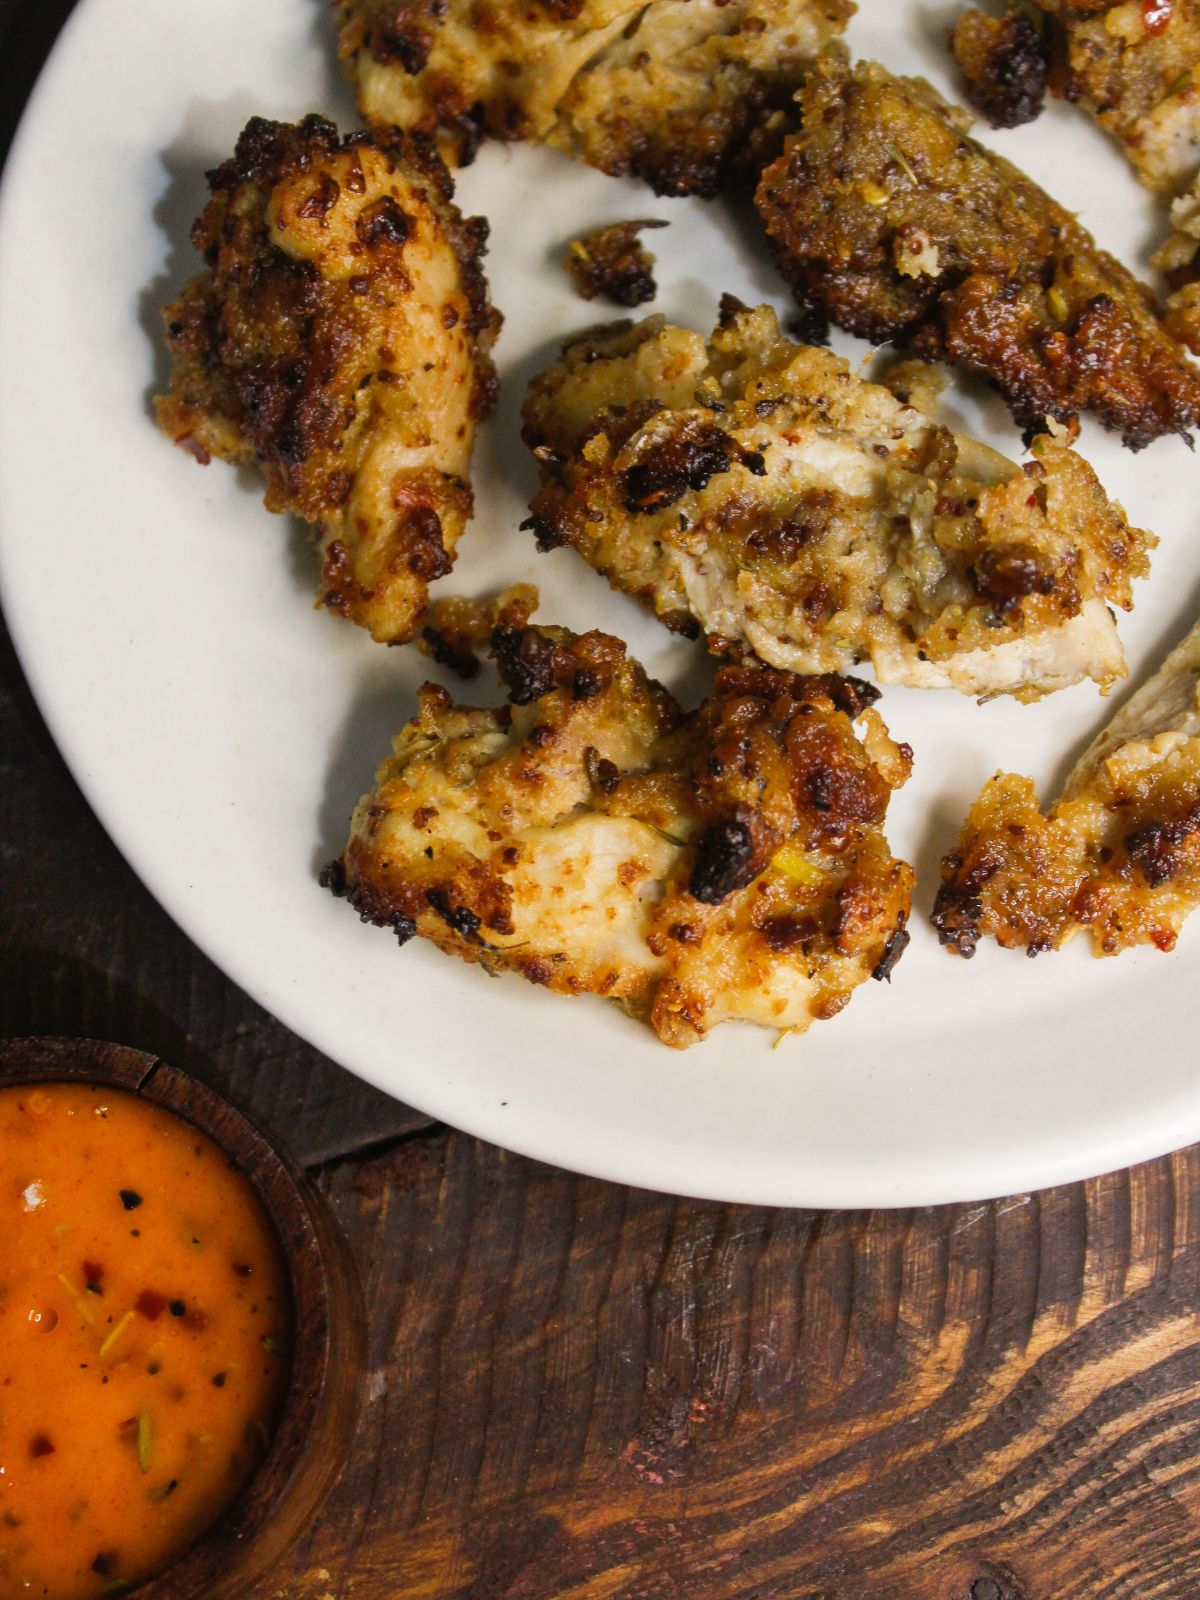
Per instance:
(1135,65)
(1004,65)
(672,91)
(887,218)
(339,338)
(1118,855)
(727,864)
(756,489)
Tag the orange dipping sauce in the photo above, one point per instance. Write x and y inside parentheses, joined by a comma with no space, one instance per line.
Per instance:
(144,1327)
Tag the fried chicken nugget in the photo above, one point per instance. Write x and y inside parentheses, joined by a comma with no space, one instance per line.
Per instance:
(339,338)
(725,864)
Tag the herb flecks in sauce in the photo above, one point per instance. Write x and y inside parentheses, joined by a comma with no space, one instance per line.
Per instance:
(136,1395)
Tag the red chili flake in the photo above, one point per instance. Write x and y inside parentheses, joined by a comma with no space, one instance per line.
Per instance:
(1156,14)
(41,1445)
(92,1273)
(150,1305)
(218,1380)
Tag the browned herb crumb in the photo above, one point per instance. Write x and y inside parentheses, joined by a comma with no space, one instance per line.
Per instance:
(612,263)
(459,627)
(1005,64)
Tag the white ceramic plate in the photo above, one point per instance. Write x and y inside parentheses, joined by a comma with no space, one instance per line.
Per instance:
(222,728)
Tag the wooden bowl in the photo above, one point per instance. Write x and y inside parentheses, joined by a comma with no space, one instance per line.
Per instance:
(316,1423)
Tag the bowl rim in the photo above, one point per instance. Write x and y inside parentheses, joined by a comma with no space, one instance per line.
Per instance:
(320,1404)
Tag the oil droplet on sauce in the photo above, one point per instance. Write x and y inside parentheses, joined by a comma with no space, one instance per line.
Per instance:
(145,1325)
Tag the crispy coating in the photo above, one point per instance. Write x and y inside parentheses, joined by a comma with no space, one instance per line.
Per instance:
(756,488)
(339,337)
(611,262)
(725,864)
(459,626)
(1119,854)
(671,91)
(1178,260)
(889,219)
(1135,65)
(1004,65)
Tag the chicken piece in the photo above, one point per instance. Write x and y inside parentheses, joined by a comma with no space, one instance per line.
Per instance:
(1004,64)
(339,336)
(887,218)
(759,489)
(669,91)
(612,263)
(725,864)
(1119,854)
(1135,65)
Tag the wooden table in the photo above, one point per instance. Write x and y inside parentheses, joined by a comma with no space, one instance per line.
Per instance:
(585,1392)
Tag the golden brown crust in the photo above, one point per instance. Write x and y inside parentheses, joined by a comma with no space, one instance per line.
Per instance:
(1121,860)
(459,626)
(760,489)
(725,864)
(894,223)
(1135,65)
(339,337)
(1119,854)
(1004,65)
(673,92)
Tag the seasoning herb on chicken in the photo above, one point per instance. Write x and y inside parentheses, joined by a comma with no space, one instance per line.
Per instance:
(339,338)
(886,217)
(696,868)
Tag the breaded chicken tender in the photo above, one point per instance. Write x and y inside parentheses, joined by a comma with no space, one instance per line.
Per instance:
(1119,854)
(669,91)
(756,488)
(887,218)
(339,337)
(728,864)
(1134,64)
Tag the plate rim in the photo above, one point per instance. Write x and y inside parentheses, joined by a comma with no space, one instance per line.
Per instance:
(1032,1167)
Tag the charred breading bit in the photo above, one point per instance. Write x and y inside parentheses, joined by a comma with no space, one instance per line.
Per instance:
(339,338)
(888,219)
(1133,64)
(672,92)
(756,489)
(1004,64)
(1118,855)
(725,864)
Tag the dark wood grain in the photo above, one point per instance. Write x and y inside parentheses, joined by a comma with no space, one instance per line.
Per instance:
(591,1392)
